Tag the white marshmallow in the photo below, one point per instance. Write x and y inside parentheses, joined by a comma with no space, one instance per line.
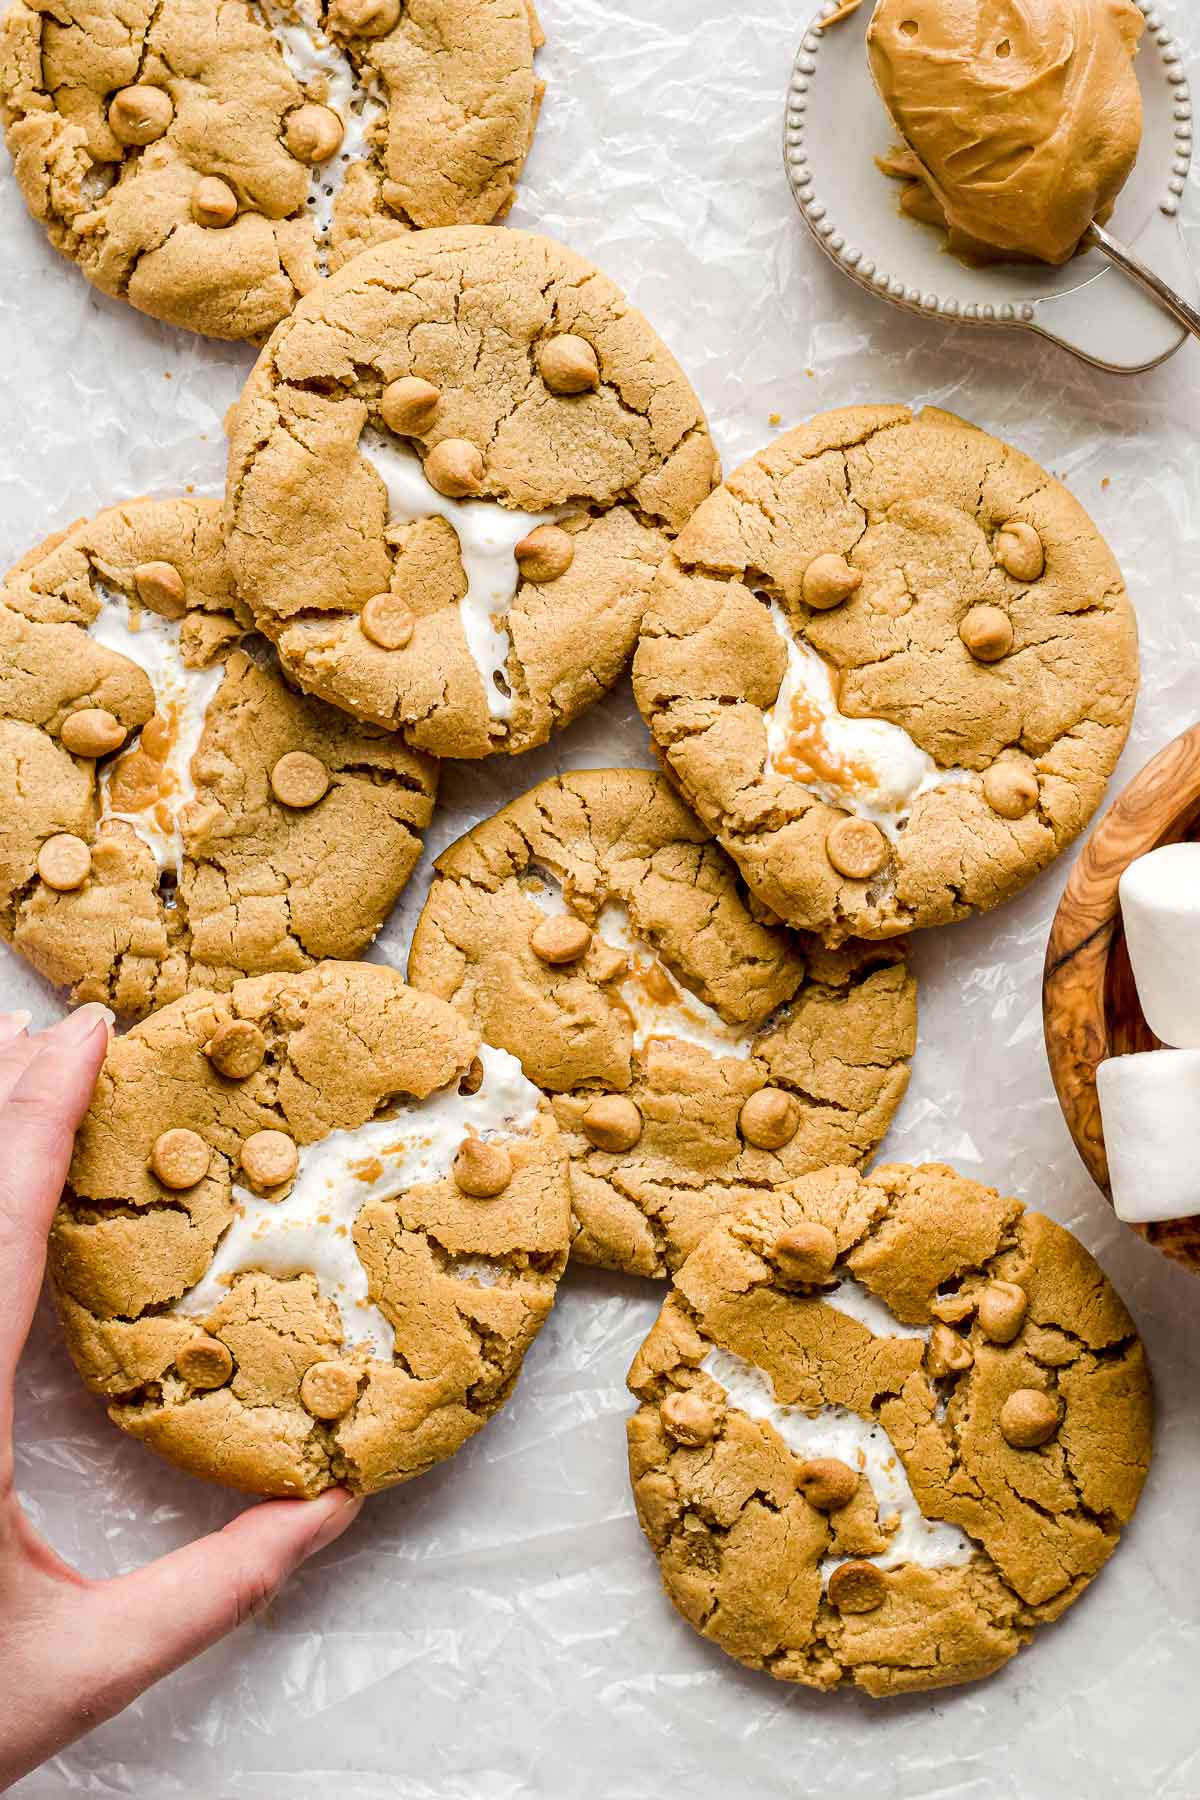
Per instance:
(1150,1103)
(1160,907)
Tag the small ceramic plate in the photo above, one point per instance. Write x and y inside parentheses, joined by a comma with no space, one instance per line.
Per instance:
(835,126)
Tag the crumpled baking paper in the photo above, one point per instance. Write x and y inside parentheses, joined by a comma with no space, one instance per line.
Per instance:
(497,1629)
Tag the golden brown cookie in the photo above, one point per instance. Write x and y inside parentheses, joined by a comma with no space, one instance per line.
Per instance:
(206,160)
(452,475)
(891,662)
(694,1048)
(279,1279)
(890,1469)
(175,815)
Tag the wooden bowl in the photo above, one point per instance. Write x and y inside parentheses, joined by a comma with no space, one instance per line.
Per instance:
(1090,1007)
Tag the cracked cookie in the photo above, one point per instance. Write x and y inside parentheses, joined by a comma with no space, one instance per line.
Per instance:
(175,815)
(453,473)
(311,1228)
(892,664)
(888,1425)
(207,160)
(694,1049)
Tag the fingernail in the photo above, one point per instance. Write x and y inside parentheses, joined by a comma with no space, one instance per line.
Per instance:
(335,1524)
(12,1024)
(79,1025)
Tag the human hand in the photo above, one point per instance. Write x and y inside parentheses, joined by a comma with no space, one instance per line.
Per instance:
(74,1651)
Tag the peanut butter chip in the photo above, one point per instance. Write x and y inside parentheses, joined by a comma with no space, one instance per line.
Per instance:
(236,1049)
(159,585)
(313,133)
(63,862)
(472,1077)
(828,580)
(1019,550)
(769,1119)
(409,406)
(827,1483)
(545,554)
(856,848)
(213,202)
(204,1362)
(92,731)
(482,1169)
(563,939)
(139,115)
(455,468)
(329,1389)
(688,1418)
(364,18)
(1002,1307)
(389,621)
(612,1123)
(857,1587)
(987,632)
(269,1158)
(1028,1418)
(807,1252)
(180,1157)
(299,780)
(569,365)
(1010,789)
(948,1353)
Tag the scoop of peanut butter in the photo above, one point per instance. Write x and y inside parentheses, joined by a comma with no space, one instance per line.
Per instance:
(1024,116)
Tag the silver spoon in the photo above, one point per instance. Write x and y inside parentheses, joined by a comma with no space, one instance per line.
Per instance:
(1137,270)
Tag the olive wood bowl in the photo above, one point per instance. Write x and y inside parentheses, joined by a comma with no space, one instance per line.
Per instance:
(1090,1007)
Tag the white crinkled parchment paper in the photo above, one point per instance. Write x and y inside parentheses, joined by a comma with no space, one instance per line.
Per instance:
(497,1628)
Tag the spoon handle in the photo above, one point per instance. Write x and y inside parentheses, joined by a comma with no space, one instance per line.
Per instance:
(1133,266)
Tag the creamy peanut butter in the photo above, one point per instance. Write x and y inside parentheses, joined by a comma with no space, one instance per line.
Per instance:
(1024,117)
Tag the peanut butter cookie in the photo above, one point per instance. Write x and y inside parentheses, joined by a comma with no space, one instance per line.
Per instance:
(694,1048)
(175,815)
(887,1427)
(892,664)
(311,1228)
(452,475)
(207,160)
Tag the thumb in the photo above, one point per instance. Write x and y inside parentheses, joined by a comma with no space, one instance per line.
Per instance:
(153,1620)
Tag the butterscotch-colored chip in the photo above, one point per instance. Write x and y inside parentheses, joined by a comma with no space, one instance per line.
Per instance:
(455,468)
(688,1418)
(827,1483)
(140,114)
(159,585)
(269,1158)
(569,365)
(213,203)
(806,1251)
(64,862)
(482,1168)
(857,1587)
(948,1353)
(364,18)
(313,133)
(828,580)
(204,1362)
(769,1118)
(92,731)
(299,780)
(612,1123)
(409,406)
(472,1077)
(236,1048)
(545,553)
(180,1157)
(987,632)
(1002,1308)
(1028,1419)
(389,621)
(1010,789)
(1019,550)
(329,1389)
(856,848)
(561,939)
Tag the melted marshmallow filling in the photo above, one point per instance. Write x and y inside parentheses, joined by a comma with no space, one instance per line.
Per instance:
(487,533)
(868,766)
(181,698)
(311,1230)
